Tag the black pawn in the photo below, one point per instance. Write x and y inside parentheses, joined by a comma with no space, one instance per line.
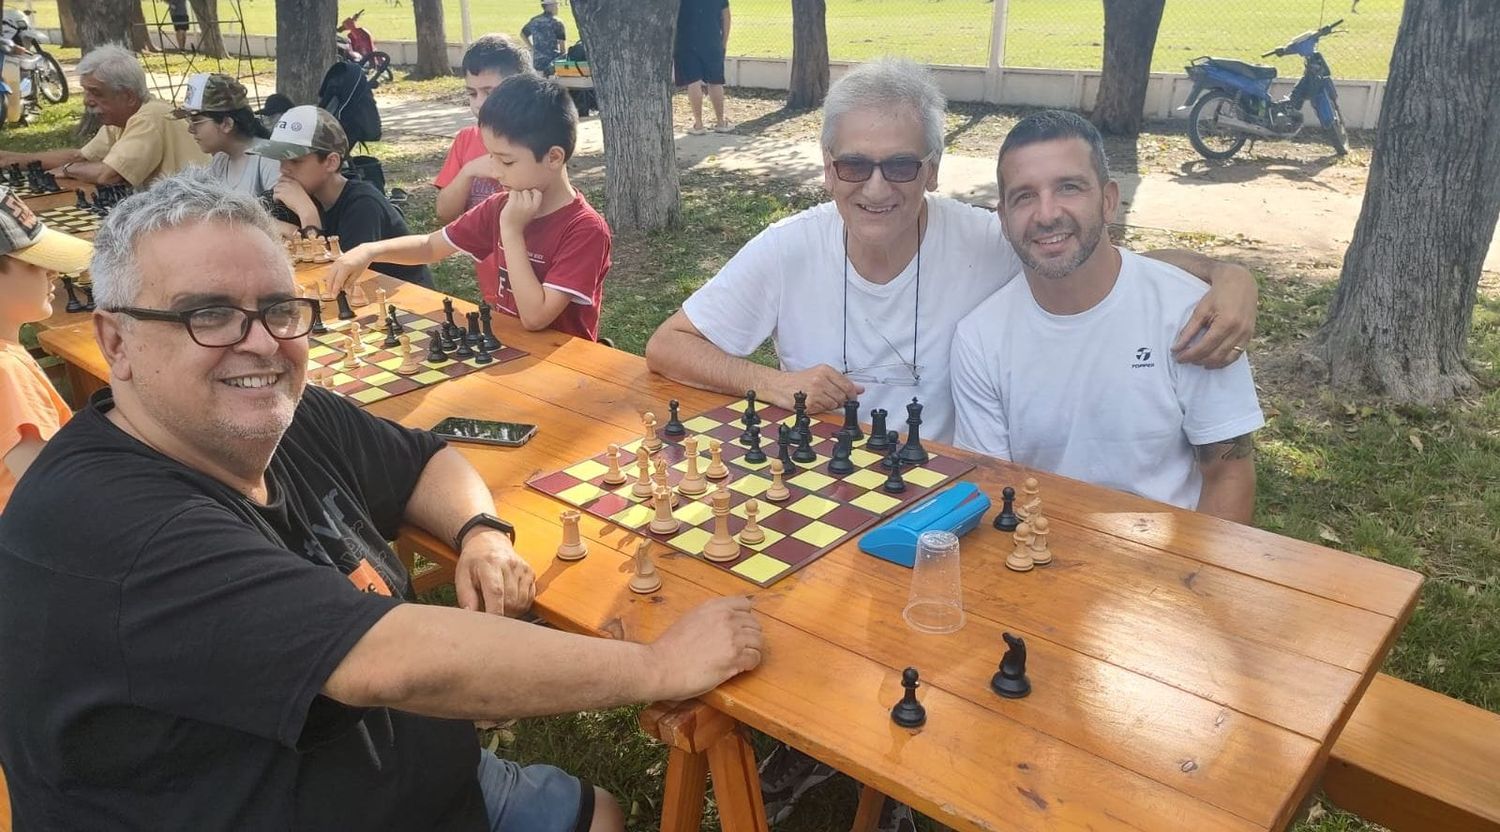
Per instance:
(751,417)
(435,354)
(851,421)
(482,354)
(1006,520)
(784,449)
(878,440)
(909,713)
(51,182)
(472,336)
(461,348)
(390,311)
(755,454)
(674,426)
(804,452)
(894,484)
(912,452)
(88,292)
(390,335)
(82,203)
(843,447)
(444,339)
(486,328)
(318,327)
(345,312)
(1010,680)
(74,305)
(892,447)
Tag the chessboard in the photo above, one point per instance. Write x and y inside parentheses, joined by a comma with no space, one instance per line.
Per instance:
(71,219)
(376,377)
(30,181)
(822,511)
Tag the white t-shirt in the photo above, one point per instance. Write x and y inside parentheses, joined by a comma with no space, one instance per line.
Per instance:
(256,175)
(1096,396)
(789,283)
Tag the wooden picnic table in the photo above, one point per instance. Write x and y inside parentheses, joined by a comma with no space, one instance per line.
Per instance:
(1188,673)
(66,196)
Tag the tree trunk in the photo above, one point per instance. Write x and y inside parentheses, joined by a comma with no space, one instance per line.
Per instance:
(67,22)
(809,54)
(630,51)
(1400,318)
(432,40)
(210,37)
(100,22)
(304,46)
(1129,40)
(138,37)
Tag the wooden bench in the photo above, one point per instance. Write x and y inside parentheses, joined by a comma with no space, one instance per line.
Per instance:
(1413,760)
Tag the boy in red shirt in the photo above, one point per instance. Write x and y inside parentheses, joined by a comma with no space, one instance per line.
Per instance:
(552,247)
(31,411)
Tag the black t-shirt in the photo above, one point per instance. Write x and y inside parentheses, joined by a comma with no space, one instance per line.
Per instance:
(163,640)
(700,24)
(543,32)
(362,214)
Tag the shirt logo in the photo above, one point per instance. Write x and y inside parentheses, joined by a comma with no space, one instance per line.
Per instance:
(1142,359)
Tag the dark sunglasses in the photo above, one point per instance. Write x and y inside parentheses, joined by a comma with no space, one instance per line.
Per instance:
(896,169)
(225,326)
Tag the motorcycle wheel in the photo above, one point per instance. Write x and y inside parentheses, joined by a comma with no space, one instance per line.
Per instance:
(1338,136)
(1210,140)
(50,82)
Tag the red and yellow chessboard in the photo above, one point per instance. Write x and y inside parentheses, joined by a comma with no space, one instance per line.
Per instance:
(822,512)
(376,378)
(71,219)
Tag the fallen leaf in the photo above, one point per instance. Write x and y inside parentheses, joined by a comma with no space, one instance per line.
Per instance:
(1415,440)
(1328,534)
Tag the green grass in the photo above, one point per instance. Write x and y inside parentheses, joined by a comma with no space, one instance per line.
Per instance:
(1048,33)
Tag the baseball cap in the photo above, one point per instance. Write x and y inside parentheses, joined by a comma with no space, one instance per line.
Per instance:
(549,2)
(211,92)
(302,130)
(25,237)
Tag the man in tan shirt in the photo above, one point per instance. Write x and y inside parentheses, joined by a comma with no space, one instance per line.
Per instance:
(140,140)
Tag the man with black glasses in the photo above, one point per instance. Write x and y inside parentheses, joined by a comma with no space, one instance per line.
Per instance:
(219,636)
(862,293)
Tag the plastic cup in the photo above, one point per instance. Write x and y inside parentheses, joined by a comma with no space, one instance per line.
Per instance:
(936,603)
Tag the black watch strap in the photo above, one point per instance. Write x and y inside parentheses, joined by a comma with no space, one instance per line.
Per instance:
(486,520)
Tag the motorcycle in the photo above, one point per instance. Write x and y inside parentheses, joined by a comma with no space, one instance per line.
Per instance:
(1236,105)
(359,49)
(41,74)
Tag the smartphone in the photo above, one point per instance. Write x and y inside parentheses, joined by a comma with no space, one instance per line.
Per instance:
(508,434)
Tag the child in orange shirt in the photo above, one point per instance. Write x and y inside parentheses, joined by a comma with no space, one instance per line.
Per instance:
(31,411)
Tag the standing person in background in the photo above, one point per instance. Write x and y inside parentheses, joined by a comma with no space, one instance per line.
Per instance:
(548,37)
(219,117)
(698,61)
(179,11)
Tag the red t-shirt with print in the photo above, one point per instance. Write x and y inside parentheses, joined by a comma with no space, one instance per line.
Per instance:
(569,251)
(468,145)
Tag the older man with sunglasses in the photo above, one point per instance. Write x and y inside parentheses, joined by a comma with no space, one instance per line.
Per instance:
(862,293)
(205,627)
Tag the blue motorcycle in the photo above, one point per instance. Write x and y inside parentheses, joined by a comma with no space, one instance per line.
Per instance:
(1234,104)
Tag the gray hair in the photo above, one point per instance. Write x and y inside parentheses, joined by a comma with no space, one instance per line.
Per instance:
(193,196)
(115,67)
(884,85)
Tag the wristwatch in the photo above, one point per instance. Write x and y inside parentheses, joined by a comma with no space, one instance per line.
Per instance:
(486,520)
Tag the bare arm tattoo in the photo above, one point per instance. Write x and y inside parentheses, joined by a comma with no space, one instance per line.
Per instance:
(1239,447)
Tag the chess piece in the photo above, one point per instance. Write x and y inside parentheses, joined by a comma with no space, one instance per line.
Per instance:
(88,296)
(645,580)
(664,522)
(346,313)
(804,452)
(1030,498)
(909,713)
(435,354)
(486,328)
(659,479)
(784,448)
(334,248)
(674,426)
(390,312)
(390,335)
(325,286)
(358,334)
(1040,554)
(693,482)
(74,304)
(411,363)
(461,349)
(82,202)
(754,455)
(892,448)
(1010,680)
(380,298)
(894,484)
(473,336)
(649,440)
(721,547)
(799,410)
(751,418)
(851,421)
(844,446)
(1019,559)
(321,255)
(643,485)
(482,353)
(1006,520)
(752,533)
(912,453)
(572,547)
(778,490)
(351,353)
(614,476)
(318,327)
(716,470)
(448,325)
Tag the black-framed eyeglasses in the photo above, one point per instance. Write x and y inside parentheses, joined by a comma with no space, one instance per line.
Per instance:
(225,326)
(896,169)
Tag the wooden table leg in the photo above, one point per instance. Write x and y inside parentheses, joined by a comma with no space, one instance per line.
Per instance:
(731,761)
(682,799)
(704,740)
(868,814)
(81,385)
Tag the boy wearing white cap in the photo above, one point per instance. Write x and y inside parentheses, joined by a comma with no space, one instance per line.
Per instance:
(31,255)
